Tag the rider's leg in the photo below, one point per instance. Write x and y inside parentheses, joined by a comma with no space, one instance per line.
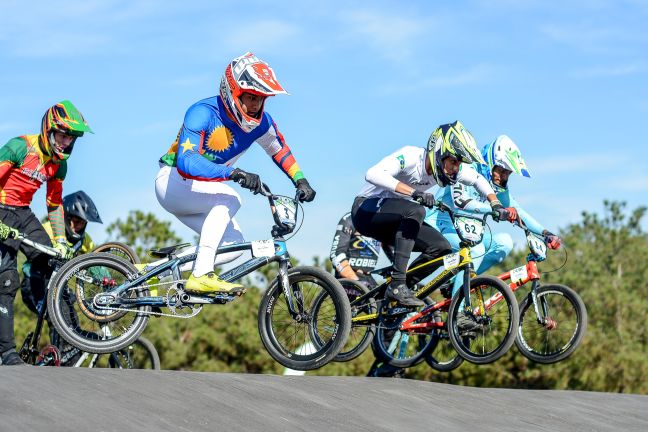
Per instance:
(209,207)
(497,248)
(432,244)
(395,222)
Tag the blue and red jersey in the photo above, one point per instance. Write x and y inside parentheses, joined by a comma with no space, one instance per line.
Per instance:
(209,143)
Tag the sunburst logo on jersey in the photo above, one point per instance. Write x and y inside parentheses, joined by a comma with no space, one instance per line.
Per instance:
(220,139)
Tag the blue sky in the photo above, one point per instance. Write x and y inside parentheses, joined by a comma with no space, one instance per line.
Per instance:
(567,81)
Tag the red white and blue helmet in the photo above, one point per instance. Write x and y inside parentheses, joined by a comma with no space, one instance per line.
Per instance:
(247,74)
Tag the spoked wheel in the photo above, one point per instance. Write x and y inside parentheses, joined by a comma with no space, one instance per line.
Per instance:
(73,311)
(317,334)
(402,348)
(489,324)
(141,354)
(120,249)
(444,358)
(362,332)
(557,335)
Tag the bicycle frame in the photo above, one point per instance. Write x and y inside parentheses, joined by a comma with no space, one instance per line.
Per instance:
(281,256)
(426,268)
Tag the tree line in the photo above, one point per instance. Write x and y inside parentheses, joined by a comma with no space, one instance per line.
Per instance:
(607,256)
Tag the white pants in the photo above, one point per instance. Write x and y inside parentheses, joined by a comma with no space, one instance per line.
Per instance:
(208,208)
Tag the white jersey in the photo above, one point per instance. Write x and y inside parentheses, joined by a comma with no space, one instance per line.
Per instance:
(407,165)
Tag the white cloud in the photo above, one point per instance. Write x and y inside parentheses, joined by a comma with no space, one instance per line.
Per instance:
(394,37)
(609,71)
(264,35)
(578,163)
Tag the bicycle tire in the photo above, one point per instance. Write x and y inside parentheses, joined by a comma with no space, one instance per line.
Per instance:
(444,358)
(394,347)
(303,351)
(73,326)
(498,324)
(141,354)
(529,326)
(120,249)
(360,336)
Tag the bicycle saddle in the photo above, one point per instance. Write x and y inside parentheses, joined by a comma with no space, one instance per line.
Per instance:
(166,251)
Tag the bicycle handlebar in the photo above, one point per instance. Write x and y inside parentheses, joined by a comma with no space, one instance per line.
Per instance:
(38,246)
(444,208)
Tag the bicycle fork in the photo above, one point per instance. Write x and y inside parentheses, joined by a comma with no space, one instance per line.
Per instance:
(294,297)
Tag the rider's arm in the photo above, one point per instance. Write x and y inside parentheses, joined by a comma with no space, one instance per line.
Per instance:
(470,177)
(54,201)
(464,200)
(340,246)
(12,154)
(531,223)
(384,173)
(275,146)
(191,164)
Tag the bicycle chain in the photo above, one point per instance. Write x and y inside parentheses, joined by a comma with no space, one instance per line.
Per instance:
(195,310)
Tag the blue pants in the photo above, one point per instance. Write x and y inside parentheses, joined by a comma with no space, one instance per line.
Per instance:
(492,250)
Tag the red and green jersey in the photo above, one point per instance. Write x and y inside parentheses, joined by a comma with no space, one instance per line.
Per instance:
(24,168)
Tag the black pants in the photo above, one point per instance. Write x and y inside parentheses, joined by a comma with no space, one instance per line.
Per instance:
(24,220)
(398,223)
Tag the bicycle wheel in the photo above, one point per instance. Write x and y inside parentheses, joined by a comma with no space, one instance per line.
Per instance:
(74,314)
(494,310)
(362,333)
(402,348)
(314,337)
(444,358)
(566,324)
(141,354)
(120,249)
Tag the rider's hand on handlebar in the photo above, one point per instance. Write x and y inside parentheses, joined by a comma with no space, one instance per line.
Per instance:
(247,180)
(65,251)
(306,192)
(512,214)
(423,198)
(552,240)
(502,213)
(7,232)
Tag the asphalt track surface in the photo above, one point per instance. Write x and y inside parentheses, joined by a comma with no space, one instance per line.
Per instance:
(95,400)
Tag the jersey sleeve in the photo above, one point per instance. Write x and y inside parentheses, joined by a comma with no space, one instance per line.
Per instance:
(190,163)
(465,201)
(54,195)
(531,223)
(384,173)
(274,144)
(12,154)
(341,240)
(470,177)
(87,245)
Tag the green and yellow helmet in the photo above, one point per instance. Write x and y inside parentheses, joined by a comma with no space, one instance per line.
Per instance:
(451,139)
(65,118)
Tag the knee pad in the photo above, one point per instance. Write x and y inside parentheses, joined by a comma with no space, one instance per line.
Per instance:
(9,282)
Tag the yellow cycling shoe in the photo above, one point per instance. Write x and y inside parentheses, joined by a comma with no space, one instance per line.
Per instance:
(153,280)
(211,284)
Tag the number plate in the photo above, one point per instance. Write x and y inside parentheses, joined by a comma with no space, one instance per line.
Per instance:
(451,260)
(519,274)
(286,210)
(537,246)
(469,228)
(263,248)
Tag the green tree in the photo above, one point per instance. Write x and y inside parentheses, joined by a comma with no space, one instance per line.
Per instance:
(142,231)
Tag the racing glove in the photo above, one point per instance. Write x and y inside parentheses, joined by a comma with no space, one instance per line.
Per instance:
(65,251)
(552,240)
(502,213)
(247,180)
(7,232)
(306,193)
(512,214)
(423,198)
